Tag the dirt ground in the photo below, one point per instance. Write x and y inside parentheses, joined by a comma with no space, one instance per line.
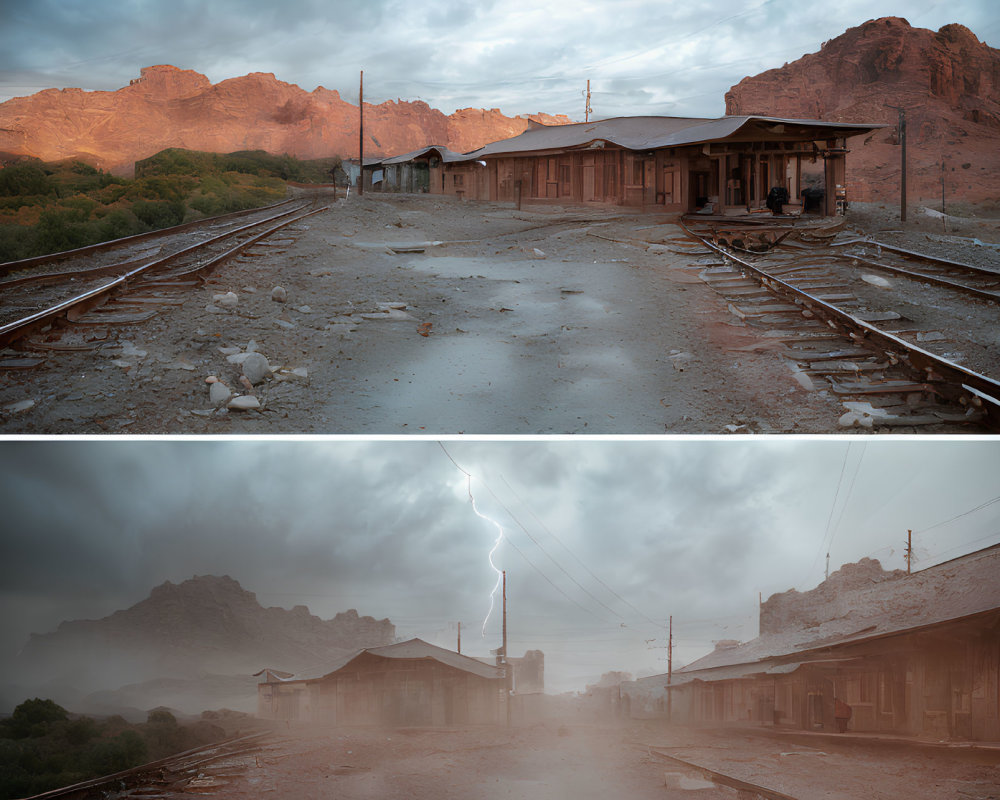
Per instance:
(581,761)
(505,322)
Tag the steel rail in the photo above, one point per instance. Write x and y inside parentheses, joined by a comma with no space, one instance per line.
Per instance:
(924,277)
(34,261)
(86,272)
(135,775)
(722,778)
(13,330)
(985,390)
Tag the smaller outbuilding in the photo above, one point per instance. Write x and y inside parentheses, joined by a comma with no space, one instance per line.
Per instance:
(424,170)
(411,683)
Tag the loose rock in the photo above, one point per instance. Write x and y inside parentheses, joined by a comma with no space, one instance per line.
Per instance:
(256,368)
(279,295)
(243,402)
(219,393)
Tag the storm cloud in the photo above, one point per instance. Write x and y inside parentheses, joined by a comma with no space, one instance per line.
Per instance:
(603,539)
(521,56)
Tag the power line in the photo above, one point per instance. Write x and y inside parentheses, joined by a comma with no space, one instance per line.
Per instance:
(578,561)
(516,548)
(959,516)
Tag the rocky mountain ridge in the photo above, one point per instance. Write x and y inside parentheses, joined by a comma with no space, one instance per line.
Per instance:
(947,81)
(171,107)
(205,625)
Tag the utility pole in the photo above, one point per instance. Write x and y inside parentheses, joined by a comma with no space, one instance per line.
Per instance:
(944,215)
(670,668)
(587,109)
(827,566)
(460,638)
(901,137)
(361,135)
(909,550)
(506,661)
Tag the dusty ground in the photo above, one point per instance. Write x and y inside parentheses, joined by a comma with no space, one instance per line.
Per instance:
(530,322)
(582,761)
(592,336)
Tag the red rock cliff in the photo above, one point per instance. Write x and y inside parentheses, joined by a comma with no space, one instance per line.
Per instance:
(171,107)
(949,83)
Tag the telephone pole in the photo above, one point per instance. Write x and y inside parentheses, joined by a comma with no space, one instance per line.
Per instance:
(909,550)
(361,134)
(587,109)
(460,638)
(670,668)
(506,661)
(901,137)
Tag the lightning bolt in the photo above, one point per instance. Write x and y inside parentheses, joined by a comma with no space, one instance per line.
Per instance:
(496,545)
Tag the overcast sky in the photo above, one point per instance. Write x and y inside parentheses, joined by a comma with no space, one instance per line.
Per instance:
(603,539)
(642,57)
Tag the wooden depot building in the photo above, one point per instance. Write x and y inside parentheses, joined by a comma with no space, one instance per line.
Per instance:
(865,651)
(410,683)
(728,165)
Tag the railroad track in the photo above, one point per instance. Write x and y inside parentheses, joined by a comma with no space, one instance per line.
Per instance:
(745,789)
(182,772)
(827,316)
(968,279)
(131,290)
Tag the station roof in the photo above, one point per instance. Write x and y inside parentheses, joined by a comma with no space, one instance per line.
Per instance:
(947,592)
(652,133)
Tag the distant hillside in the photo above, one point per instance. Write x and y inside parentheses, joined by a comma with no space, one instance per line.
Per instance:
(170,107)
(948,82)
(205,625)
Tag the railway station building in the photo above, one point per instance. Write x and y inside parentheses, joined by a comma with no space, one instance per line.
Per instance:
(410,683)
(865,651)
(730,165)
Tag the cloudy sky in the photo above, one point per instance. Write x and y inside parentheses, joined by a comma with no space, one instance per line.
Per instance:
(602,539)
(642,57)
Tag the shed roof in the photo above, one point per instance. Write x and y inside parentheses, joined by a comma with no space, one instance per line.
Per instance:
(443,153)
(413,649)
(650,133)
(946,592)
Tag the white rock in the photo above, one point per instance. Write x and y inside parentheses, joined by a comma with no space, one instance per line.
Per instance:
(284,323)
(256,368)
(227,300)
(229,351)
(539,253)
(243,402)
(249,290)
(877,280)
(120,362)
(238,358)
(304,309)
(279,295)
(252,346)
(213,309)
(219,393)
(21,405)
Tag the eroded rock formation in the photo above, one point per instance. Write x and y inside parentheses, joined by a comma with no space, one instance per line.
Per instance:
(948,82)
(171,107)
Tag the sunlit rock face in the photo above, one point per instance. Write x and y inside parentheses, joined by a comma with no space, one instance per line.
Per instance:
(171,107)
(948,82)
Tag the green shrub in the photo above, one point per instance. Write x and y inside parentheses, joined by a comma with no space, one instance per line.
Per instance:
(24,178)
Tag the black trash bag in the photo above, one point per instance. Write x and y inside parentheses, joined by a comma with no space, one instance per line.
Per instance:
(776,198)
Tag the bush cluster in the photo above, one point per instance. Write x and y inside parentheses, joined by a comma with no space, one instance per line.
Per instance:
(42,747)
(48,207)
